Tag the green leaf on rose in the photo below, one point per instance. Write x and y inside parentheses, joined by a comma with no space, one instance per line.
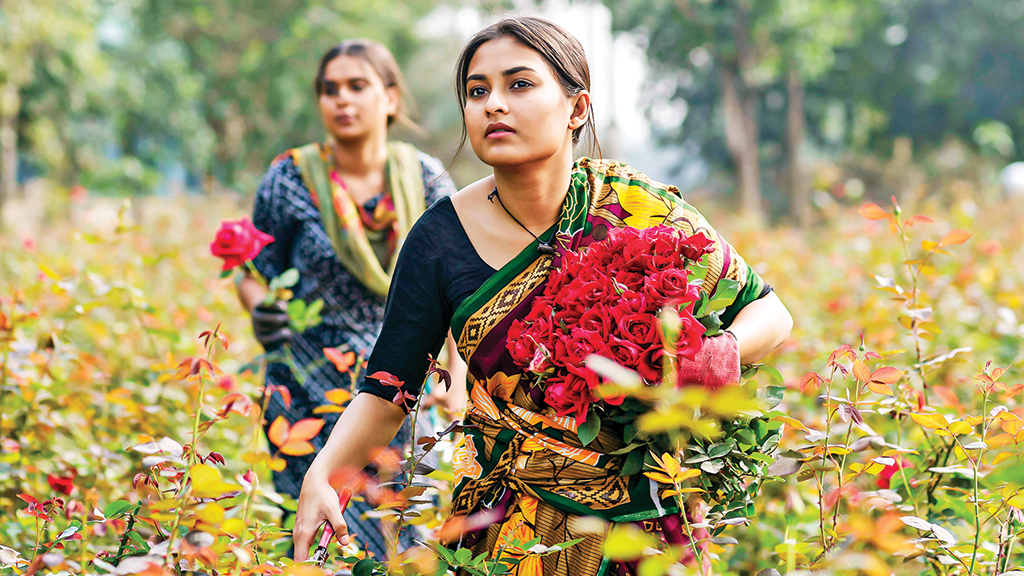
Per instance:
(589,429)
(286,279)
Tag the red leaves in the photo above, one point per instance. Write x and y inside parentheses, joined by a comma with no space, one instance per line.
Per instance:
(62,484)
(286,394)
(35,508)
(294,440)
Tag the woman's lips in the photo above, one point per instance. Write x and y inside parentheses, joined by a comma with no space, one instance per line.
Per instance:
(498,130)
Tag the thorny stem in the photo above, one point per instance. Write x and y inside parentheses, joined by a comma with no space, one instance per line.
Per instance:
(122,548)
(976,464)
(185,486)
(689,531)
(915,272)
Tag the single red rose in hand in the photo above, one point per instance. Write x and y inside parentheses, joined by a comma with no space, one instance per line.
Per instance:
(238,241)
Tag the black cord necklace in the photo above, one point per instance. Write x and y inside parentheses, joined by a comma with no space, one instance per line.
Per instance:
(544,247)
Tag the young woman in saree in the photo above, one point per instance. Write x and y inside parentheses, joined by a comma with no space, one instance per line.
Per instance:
(338,211)
(479,259)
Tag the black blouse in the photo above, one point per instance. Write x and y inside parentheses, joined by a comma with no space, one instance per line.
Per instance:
(437,269)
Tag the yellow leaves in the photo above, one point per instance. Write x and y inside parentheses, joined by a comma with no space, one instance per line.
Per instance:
(668,471)
(262,458)
(931,421)
(294,440)
(233,526)
(627,542)
(207,483)
(790,421)
(872,468)
(337,397)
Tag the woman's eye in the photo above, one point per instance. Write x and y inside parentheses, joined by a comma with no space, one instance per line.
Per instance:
(330,89)
(519,84)
(358,86)
(476,91)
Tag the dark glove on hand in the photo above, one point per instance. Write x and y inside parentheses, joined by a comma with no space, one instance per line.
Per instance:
(270,324)
(716,365)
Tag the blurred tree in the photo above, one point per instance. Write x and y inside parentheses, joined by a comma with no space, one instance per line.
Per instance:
(727,54)
(46,54)
(246,67)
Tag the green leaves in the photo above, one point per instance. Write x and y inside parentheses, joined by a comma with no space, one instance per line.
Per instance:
(589,429)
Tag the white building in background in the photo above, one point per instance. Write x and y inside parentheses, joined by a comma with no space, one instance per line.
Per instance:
(618,71)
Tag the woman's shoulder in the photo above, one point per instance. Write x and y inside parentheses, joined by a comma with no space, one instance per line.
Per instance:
(608,171)
(284,179)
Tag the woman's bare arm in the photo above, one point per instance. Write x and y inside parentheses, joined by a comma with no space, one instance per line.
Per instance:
(367,426)
(761,327)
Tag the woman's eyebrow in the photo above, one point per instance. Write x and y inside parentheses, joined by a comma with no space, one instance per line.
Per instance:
(517,70)
(509,72)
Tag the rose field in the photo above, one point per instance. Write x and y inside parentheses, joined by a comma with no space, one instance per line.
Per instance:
(884,437)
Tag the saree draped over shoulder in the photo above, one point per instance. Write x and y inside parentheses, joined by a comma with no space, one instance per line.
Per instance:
(367,245)
(522,463)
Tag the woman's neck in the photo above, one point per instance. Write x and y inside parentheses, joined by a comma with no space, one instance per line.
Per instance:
(362,156)
(535,192)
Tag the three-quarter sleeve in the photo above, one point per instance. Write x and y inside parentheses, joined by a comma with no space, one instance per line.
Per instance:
(436,181)
(416,317)
(274,212)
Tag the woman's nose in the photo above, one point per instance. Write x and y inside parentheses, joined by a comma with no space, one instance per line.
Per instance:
(496,103)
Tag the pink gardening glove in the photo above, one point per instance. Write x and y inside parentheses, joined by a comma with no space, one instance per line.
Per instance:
(716,365)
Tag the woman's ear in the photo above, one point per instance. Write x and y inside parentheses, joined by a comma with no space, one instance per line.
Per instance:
(580,110)
(394,96)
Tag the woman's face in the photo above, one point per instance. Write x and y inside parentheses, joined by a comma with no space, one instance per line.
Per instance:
(355,103)
(516,111)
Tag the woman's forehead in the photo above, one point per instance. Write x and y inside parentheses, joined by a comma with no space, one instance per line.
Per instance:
(505,53)
(348,68)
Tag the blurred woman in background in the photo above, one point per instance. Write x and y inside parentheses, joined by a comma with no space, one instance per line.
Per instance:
(339,211)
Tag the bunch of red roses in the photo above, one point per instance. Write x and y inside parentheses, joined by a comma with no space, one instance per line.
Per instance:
(606,300)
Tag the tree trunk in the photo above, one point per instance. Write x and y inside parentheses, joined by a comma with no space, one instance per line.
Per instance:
(795,132)
(9,106)
(741,139)
(741,126)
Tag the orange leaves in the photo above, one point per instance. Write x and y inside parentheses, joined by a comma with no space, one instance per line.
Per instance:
(954,237)
(879,380)
(873,211)
(337,397)
(343,361)
(294,440)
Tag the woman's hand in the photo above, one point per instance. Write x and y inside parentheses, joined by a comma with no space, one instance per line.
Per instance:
(317,502)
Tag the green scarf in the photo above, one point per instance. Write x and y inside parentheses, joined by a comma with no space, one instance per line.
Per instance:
(340,214)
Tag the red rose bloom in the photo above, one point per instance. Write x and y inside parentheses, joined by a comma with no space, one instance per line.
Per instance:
(640,329)
(650,364)
(625,353)
(691,334)
(696,246)
(671,286)
(519,347)
(238,241)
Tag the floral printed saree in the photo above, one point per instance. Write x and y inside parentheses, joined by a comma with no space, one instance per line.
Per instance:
(520,461)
